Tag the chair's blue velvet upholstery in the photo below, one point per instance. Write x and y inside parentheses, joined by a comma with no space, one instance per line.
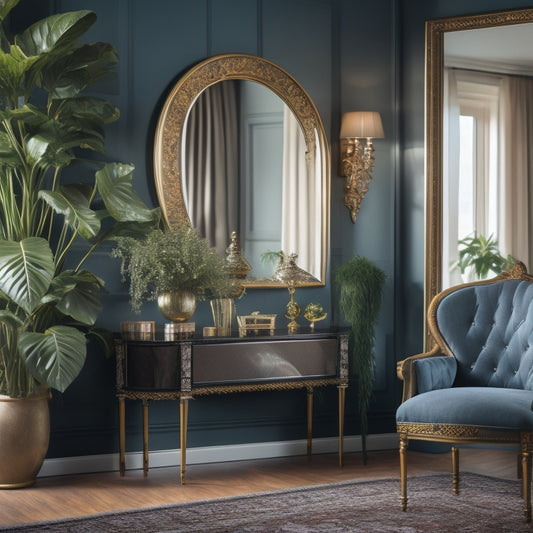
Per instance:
(489,329)
(435,373)
(498,408)
(489,381)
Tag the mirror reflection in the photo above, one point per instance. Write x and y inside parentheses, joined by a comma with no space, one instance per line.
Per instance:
(487,142)
(244,169)
(240,147)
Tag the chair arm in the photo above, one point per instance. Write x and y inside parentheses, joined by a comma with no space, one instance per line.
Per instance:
(406,371)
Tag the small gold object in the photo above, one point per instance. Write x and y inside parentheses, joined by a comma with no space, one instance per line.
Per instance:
(138,330)
(210,331)
(314,312)
(292,310)
(179,330)
(236,265)
(256,323)
(292,275)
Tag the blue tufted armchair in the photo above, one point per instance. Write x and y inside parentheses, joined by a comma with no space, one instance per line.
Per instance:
(476,384)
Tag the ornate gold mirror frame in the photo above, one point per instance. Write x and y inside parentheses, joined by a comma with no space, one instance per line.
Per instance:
(435,31)
(170,133)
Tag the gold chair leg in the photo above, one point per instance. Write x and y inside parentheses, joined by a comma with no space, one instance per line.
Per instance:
(525,444)
(403,471)
(455,469)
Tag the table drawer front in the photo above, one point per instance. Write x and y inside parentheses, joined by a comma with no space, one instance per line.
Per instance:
(263,361)
(154,367)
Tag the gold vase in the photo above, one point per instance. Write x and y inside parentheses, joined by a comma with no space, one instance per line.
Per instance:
(24,437)
(177,306)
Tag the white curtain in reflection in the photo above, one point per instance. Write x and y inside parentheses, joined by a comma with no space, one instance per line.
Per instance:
(301,209)
(450,197)
(211,164)
(516,168)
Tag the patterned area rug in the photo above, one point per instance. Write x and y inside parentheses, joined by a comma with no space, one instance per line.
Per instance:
(484,505)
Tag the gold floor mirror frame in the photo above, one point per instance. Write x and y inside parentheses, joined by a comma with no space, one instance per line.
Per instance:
(435,30)
(170,131)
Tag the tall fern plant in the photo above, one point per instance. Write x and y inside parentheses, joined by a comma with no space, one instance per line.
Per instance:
(360,287)
(46,309)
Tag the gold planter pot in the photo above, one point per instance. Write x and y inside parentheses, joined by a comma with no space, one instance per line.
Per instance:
(24,437)
(177,306)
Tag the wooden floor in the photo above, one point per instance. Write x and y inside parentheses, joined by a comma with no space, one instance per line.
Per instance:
(68,496)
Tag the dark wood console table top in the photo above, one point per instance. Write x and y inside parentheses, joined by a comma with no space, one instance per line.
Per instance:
(182,369)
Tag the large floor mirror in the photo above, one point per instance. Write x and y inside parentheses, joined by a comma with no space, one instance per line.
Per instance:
(479,140)
(240,147)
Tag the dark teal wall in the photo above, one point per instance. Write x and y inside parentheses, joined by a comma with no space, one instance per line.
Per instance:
(343,54)
(348,55)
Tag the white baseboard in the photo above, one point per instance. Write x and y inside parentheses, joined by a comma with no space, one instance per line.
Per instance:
(213,454)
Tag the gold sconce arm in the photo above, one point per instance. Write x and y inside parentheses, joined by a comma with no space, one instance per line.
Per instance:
(357,155)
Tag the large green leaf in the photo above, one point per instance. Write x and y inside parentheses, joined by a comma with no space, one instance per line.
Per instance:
(6,6)
(54,357)
(114,183)
(54,33)
(77,294)
(28,114)
(130,229)
(26,271)
(10,319)
(71,110)
(15,73)
(53,142)
(72,73)
(71,202)
(8,155)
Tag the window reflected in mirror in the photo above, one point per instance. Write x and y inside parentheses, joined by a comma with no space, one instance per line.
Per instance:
(488,139)
(245,169)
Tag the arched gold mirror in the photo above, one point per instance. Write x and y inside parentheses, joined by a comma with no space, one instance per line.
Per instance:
(476,179)
(240,146)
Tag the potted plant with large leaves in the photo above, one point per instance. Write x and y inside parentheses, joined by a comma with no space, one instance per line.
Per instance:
(48,306)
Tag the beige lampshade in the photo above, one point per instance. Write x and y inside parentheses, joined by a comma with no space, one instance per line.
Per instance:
(357,124)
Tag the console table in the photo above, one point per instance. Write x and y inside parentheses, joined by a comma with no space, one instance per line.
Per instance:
(182,369)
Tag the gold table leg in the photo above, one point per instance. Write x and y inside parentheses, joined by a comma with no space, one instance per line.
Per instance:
(145,437)
(184,408)
(455,468)
(122,435)
(342,398)
(309,422)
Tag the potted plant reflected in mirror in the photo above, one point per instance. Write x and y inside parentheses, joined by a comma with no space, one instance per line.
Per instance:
(480,256)
(176,267)
(49,302)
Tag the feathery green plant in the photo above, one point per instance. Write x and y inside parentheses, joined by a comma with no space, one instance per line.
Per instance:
(360,287)
(178,258)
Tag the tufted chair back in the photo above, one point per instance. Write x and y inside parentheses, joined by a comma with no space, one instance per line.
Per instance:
(488,327)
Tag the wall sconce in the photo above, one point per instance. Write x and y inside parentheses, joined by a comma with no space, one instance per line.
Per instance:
(358,128)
